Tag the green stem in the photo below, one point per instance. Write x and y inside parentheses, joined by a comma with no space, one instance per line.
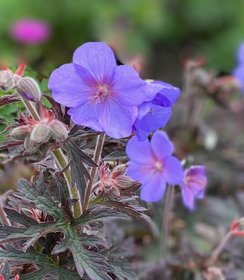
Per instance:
(216,253)
(169,202)
(60,161)
(96,158)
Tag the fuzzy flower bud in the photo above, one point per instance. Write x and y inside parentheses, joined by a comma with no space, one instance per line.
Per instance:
(114,183)
(20,132)
(29,89)
(7,80)
(40,134)
(59,130)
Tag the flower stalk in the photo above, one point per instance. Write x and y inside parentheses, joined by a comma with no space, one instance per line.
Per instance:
(61,163)
(217,252)
(167,214)
(96,158)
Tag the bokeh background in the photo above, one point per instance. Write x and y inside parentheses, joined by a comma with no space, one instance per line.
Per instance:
(159,37)
(162,32)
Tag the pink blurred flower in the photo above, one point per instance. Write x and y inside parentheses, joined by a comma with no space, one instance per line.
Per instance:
(30,31)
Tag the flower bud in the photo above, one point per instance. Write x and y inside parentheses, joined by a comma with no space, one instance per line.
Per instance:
(20,132)
(7,80)
(40,134)
(59,130)
(29,89)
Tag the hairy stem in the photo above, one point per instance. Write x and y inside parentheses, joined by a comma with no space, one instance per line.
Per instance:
(96,158)
(218,250)
(169,202)
(61,162)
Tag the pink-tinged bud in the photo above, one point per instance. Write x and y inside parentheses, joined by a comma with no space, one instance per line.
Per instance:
(7,80)
(20,132)
(2,277)
(40,134)
(30,146)
(29,89)
(59,130)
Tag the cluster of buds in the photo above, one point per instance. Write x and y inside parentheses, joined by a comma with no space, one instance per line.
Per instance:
(26,87)
(34,133)
(114,183)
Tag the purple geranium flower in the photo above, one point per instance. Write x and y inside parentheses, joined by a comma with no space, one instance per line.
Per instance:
(100,94)
(193,185)
(238,73)
(156,113)
(30,31)
(152,164)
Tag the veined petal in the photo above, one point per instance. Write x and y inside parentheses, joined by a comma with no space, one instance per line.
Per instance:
(168,95)
(98,58)
(139,151)
(128,87)
(187,197)
(139,171)
(173,170)
(157,118)
(154,189)
(115,119)
(67,86)
(161,145)
(86,115)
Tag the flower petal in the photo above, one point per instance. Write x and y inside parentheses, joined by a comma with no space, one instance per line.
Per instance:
(139,151)
(157,118)
(67,86)
(139,171)
(98,58)
(187,197)
(168,95)
(86,115)
(173,170)
(154,189)
(117,120)
(128,87)
(161,145)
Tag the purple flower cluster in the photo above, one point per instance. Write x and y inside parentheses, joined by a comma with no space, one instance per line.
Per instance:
(193,185)
(238,72)
(110,98)
(115,100)
(153,164)
(155,114)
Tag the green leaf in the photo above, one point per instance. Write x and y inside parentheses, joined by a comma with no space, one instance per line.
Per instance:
(36,275)
(78,170)
(5,270)
(93,264)
(20,218)
(42,201)
(47,266)
(122,269)
(98,213)
(32,233)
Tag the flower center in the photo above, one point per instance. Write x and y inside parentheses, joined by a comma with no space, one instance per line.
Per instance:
(102,92)
(158,166)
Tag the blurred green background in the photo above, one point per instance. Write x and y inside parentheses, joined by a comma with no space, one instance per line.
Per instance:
(162,33)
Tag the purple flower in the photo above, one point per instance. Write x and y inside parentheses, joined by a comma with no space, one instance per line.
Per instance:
(238,73)
(100,94)
(156,113)
(152,164)
(30,31)
(193,185)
